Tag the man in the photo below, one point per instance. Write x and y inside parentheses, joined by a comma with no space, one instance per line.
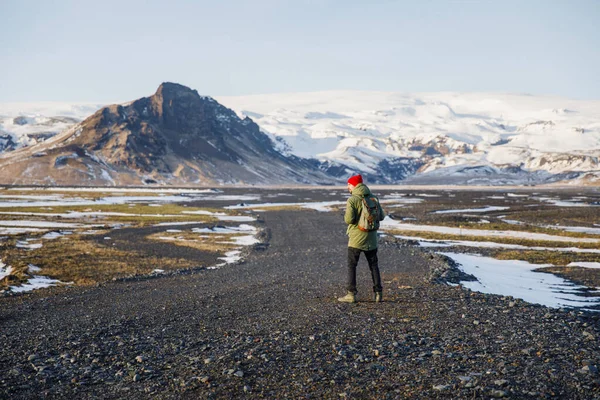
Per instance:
(361,239)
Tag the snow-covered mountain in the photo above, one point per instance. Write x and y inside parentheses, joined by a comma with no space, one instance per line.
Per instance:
(25,124)
(470,138)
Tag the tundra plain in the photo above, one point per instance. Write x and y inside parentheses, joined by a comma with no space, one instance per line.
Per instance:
(230,292)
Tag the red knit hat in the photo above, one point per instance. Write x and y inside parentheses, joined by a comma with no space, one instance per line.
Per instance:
(355,180)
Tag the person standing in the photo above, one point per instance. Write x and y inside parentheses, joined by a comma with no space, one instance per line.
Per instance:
(363,214)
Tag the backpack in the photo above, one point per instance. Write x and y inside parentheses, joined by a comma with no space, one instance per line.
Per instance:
(369,218)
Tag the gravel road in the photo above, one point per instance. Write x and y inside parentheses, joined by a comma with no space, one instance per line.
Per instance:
(270,327)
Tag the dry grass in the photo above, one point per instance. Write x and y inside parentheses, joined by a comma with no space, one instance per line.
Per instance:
(571,216)
(278,208)
(502,226)
(546,257)
(142,214)
(523,242)
(76,194)
(214,243)
(80,260)
(584,276)
(136,208)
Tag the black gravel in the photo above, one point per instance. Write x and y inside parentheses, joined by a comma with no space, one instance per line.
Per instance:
(271,328)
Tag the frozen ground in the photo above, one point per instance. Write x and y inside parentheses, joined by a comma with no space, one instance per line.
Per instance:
(472,210)
(518,279)
(448,205)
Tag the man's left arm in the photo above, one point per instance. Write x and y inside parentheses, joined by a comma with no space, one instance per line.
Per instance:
(381,212)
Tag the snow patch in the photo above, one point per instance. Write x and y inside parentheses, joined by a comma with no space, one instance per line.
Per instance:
(584,264)
(518,279)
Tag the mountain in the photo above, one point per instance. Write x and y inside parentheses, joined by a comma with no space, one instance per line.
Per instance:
(436,138)
(419,138)
(175,136)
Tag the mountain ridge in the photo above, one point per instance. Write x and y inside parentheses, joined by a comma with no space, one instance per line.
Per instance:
(432,138)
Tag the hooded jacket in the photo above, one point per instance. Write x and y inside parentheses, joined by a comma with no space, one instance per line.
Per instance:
(357,238)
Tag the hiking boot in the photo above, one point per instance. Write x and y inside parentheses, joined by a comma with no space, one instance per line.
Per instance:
(349,298)
(378,297)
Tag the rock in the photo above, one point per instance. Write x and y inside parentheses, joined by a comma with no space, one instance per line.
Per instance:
(208,360)
(32,357)
(497,393)
(204,379)
(441,387)
(239,374)
(589,369)
(588,336)
(501,382)
(139,359)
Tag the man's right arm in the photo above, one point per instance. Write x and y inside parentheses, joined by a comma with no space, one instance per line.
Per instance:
(350,216)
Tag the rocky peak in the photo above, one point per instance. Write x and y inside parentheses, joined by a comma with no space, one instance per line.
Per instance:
(174,135)
(172,100)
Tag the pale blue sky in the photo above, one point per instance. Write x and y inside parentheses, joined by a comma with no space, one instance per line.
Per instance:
(106,50)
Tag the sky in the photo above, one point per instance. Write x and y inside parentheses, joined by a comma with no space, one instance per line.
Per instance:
(108,50)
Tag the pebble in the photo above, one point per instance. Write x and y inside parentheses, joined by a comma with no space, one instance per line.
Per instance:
(589,369)
(498,393)
(441,387)
(239,374)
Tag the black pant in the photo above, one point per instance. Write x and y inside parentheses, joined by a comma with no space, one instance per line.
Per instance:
(353,256)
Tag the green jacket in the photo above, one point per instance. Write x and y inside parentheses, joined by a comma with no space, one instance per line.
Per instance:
(357,238)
